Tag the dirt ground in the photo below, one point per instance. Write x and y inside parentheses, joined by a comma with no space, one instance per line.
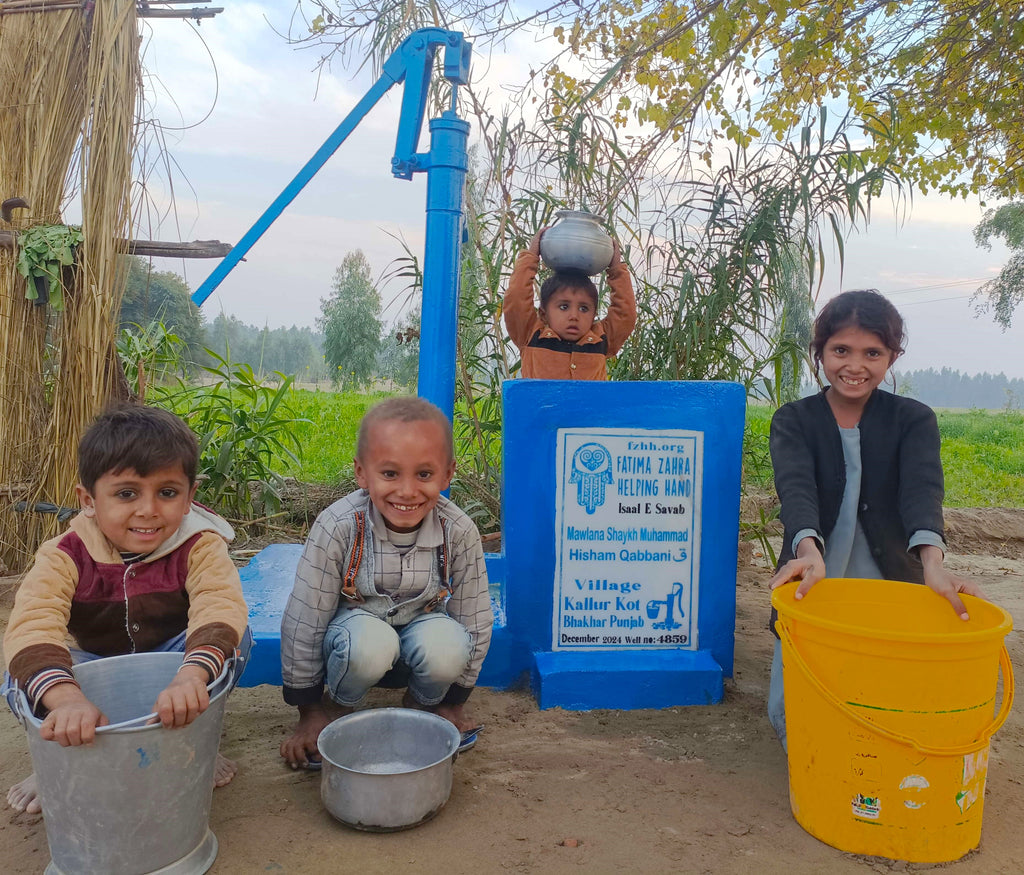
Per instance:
(692,790)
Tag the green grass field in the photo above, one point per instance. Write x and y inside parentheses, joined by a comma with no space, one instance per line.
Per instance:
(328,438)
(982,456)
(982,452)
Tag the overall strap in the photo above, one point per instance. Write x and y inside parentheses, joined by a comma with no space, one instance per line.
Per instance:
(442,552)
(348,587)
(443,557)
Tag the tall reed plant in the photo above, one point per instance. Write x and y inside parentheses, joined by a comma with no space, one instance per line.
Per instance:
(68,134)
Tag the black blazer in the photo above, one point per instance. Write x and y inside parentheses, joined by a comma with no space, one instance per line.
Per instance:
(901,484)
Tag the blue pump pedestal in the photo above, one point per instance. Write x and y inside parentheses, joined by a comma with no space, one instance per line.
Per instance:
(620,524)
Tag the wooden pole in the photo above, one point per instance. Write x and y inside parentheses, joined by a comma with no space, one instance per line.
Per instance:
(144,9)
(153,248)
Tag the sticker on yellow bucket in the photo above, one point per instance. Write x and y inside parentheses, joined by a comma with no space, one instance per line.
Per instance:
(913,785)
(975,771)
(868,807)
(975,764)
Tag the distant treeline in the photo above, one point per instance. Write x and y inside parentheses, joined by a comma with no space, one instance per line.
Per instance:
(153,296)
(162,296)
(292,351)
(949,388)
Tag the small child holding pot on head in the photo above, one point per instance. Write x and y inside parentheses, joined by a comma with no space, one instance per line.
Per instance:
(563,339)
(141,569)
(392,576)
(857,470)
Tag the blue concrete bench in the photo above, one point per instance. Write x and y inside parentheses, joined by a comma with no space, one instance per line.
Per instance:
(267,582)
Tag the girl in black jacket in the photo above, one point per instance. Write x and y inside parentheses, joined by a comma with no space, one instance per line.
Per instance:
(857,470)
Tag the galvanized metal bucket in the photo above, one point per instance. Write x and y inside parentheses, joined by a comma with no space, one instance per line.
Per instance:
(137,800)
(387,769)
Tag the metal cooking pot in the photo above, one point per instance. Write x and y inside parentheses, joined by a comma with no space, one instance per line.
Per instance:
(387,769)
(577,241)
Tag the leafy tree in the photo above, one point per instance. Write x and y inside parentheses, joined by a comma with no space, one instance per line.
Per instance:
(161,297)
(1006,291)
(350,321)
(934,86)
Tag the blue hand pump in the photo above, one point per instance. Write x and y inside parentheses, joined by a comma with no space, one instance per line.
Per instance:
(445,165)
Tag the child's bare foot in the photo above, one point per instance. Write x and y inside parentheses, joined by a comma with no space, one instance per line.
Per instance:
(223,771)
(300,750)
(24,796)
(452,713)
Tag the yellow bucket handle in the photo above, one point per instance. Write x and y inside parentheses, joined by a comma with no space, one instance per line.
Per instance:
(959,750)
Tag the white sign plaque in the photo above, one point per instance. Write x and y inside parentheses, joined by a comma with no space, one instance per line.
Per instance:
(627,538)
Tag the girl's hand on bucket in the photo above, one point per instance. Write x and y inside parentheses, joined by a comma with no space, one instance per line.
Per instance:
(948,585)
(72,719)
(808,567)
(184,698)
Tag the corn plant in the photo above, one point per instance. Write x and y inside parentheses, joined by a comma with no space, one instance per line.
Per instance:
(245,431)
(150,355)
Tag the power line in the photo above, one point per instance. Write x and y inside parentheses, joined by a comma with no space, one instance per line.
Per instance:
(940,286)
(937,300)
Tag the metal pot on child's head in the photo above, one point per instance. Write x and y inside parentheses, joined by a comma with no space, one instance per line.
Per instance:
(577,241)
(387,769)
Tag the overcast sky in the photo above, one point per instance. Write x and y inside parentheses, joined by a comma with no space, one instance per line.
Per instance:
(243,111)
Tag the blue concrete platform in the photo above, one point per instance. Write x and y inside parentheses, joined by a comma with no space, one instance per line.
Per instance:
(638,679)
(266,583)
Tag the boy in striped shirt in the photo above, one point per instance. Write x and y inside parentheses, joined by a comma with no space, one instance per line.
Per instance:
(392,577)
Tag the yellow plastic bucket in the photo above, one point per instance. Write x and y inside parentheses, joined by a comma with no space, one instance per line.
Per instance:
(890,706)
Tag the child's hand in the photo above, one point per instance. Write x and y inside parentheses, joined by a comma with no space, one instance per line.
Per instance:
(534,246)
(301,745)
(616,255)
(184,698)
(948,585)
(72,719)
(808,567)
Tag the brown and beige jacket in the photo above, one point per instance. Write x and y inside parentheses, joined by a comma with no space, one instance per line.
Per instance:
(80,586)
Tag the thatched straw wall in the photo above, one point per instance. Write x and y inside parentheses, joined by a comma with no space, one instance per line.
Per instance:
(67,129)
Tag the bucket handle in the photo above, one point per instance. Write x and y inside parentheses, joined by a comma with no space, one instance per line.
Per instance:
(958,750)
(23,711)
